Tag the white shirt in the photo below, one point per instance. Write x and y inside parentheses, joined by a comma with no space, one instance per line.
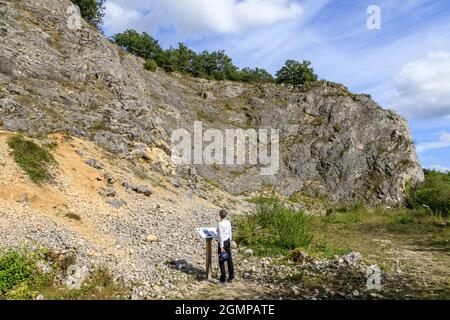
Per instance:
(224,231)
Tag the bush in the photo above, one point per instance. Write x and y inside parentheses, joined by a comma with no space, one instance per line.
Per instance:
(22,279)
(92,11)
(16,267)
(214,65)
(150,65)
(32,158)
(256,75)
(296,73)
(21,292)
(274,226)
(434,193)
(99,286)
(184,59)
(180,59)
(168,61)
(142,45)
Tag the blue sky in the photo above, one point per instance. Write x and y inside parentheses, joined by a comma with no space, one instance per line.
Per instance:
(404,65)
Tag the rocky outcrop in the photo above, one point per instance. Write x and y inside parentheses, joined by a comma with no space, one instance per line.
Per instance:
(56,79)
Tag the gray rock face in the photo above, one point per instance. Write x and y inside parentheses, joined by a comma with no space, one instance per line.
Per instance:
(332,143)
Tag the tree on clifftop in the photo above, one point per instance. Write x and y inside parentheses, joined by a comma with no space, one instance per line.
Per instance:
(140,44)
(92,11)
(296,73)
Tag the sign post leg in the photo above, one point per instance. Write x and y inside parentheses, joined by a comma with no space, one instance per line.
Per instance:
(208,259)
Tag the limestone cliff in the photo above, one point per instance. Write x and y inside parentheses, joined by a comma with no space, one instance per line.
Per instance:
(333,143)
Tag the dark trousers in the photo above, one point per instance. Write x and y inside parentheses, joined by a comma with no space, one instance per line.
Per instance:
(227,247)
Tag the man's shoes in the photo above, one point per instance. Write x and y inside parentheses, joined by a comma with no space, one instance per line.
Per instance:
(230,280)
(222,284)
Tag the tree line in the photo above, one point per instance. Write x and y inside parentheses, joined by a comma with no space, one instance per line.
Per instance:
(215,65)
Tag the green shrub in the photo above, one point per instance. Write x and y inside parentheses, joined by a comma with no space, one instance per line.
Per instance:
(22,279)
(21,292)
(325,250)
(16,267)
(214,65)
(256,75)
(358,214)
(99,286)
(150,65)
(141,45)
(296,73)
(179,59)
(32,158)
(92,11)
(346,214)
(274,226)
(434,193)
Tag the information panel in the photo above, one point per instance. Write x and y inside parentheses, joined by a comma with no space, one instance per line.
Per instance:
(207,233)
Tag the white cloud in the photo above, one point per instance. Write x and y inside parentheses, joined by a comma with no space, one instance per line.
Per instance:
(442,142)
(438,167)
(423,87)
(198,17)
(119,18)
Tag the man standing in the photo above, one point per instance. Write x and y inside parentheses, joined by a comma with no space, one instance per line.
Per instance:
(224,232)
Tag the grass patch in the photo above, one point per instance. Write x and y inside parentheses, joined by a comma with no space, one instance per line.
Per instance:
(390,238)
(203,115)
(299,276)
(403,242)
(32,158)
(52,145)
(276,229)
(16,268)
(433,194)
(22,277)
(323,250)
(359,214)
(308,200)
(273,228)
(100,126)
(150,65)
(100,286)
(213,183)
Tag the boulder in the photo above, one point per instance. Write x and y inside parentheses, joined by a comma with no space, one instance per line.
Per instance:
(109,178)
(352,259)
(143,190)
(248,252)
(94,164)
(110,192)
(151,238)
